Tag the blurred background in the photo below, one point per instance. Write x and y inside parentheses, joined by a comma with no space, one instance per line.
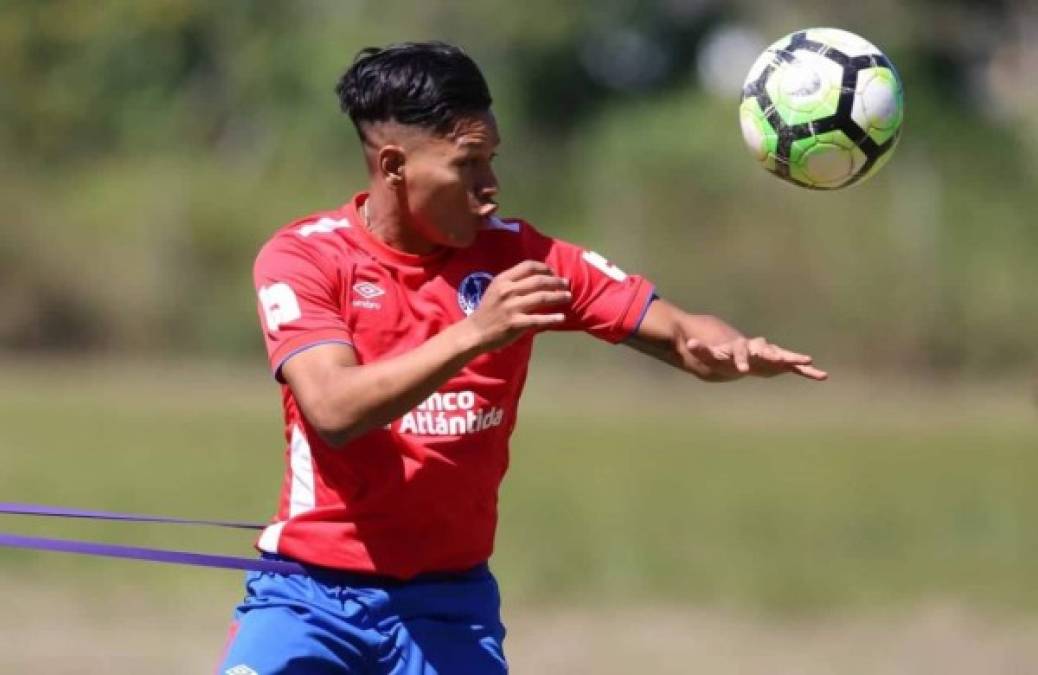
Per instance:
(879,523)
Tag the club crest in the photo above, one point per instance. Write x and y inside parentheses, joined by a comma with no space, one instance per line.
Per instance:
(471,290)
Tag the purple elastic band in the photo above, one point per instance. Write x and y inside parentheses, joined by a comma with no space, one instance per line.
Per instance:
(15,508)
(151,554)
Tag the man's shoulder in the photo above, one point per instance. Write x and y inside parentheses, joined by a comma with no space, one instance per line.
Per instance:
(313,228)
(319,235)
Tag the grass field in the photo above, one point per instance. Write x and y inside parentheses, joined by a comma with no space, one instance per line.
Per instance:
(731,510)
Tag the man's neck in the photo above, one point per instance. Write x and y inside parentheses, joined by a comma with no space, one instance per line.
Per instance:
(385,220)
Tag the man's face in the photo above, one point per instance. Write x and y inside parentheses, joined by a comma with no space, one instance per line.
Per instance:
(449,184)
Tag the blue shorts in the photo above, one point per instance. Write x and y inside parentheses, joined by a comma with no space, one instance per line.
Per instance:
(329,622)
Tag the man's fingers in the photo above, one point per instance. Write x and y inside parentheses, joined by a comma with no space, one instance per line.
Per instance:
(701,351)
(756,356)
(531,301)
(527,321)
(538,282)
(793,357)
(741,355)
(523,270)
(779,355)
(760,348)
(710,354)
(811,372)
(765,351)
(789,356)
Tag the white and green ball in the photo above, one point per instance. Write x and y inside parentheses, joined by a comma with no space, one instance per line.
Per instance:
(822,108)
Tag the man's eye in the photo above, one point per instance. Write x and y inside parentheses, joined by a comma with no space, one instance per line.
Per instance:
(475,161)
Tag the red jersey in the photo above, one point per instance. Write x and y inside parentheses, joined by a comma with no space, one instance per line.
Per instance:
(419,495)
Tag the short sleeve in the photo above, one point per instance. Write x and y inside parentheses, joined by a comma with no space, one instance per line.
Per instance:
(607,302)
(299,299)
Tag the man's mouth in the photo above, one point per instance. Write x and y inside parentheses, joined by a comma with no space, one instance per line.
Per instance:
(487,210)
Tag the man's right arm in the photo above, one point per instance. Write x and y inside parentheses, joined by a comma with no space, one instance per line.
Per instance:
(342,399)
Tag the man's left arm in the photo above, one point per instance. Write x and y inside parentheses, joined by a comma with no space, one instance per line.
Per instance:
(711,349)
(611,305)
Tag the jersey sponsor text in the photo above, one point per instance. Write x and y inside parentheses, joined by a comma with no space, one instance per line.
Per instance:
(450,414)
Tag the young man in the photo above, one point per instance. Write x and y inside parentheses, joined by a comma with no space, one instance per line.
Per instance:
(400,326)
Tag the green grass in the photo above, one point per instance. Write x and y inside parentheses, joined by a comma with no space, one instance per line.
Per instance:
(700,511)
(774,496)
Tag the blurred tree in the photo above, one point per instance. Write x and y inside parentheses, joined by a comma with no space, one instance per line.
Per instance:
(147,149)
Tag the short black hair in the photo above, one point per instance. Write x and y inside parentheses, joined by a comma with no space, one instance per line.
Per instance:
(427,84)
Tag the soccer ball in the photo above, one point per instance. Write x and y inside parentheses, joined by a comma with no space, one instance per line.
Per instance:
(822,108)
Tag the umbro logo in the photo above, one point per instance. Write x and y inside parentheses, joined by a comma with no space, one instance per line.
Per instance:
(367,290)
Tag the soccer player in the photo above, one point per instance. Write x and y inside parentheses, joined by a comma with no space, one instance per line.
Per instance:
(400,326)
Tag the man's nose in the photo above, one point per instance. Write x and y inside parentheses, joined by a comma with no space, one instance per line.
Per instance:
(489,186)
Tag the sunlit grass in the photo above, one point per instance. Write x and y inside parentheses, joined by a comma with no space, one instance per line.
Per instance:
(777,496)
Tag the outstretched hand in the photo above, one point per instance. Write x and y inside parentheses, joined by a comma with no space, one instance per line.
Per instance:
(753,356)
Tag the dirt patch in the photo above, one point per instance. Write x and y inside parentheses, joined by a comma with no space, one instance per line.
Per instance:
(80,632)
(948,640)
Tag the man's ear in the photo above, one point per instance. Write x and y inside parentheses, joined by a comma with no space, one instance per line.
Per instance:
(391,159)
